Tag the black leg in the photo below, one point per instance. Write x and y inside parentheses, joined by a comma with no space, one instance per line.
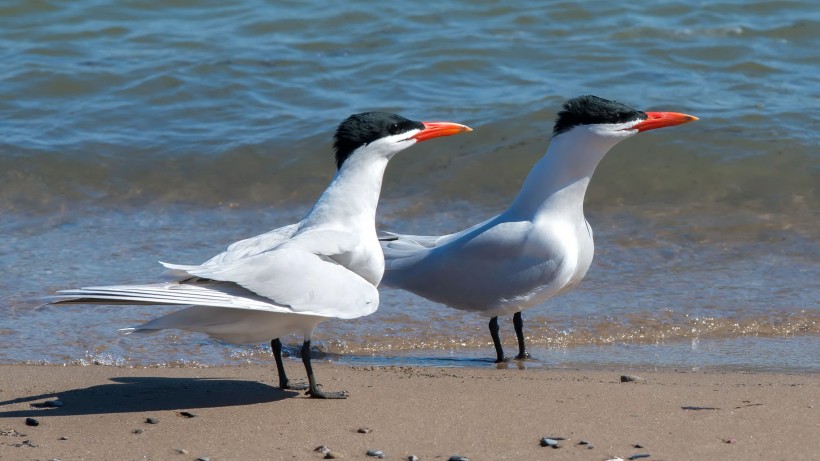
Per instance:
(499,351)
(314,391)
(284,382)
(518,322)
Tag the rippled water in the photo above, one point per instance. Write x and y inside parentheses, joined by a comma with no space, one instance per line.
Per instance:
(135,131)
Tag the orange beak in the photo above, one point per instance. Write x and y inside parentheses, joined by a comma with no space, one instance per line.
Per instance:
(662,119)
(438,129)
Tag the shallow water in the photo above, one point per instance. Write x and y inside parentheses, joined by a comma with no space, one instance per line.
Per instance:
(140,131)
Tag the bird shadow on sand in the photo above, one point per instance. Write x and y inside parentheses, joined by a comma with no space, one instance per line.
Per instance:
(139,394)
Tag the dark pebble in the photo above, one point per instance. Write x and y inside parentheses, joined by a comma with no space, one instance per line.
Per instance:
(188,414)
(152,420)
(458,458)
(203,458)
(728,440)
(412,458)
(637,445)
(548,442)
(364,430)
(32,422)
(63,438)
(323,449)
(639,456)
(375,453)
(631,379)
(137,431)
(334,455)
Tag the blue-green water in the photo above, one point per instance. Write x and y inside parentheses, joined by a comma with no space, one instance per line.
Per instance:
(137,131)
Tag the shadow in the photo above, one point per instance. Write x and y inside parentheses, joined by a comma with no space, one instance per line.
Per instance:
(139,394)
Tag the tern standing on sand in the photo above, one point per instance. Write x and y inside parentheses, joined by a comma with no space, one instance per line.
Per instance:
(542,244)
(295,277)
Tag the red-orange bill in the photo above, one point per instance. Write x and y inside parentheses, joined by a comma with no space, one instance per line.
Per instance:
(438,129)
(663,119)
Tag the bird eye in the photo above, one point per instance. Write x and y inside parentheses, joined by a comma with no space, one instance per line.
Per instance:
(393,128)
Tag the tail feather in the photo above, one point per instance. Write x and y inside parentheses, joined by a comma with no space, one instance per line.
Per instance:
(196,292)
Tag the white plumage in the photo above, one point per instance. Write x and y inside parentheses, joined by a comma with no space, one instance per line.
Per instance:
(292,278)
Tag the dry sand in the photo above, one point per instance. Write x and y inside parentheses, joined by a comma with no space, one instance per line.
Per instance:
(433,413)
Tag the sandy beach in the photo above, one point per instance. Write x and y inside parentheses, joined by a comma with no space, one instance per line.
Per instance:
(432,413)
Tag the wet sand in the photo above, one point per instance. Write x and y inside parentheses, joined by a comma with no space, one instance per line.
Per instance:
(433,413)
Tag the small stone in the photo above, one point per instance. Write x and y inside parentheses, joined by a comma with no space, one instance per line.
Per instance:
(728,440)
(632,379)
(364,430)
(375,453)
(152,420)
(63,438)
(203,458)
(412,458)
(323,449)
(637,445)
(137,431)
(188,414)
(548,442)
(182,451)
(458,458)
(639,456)
(334,455)
(32,422)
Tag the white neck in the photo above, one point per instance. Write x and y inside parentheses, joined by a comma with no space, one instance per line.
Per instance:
(559,180)
(353,194)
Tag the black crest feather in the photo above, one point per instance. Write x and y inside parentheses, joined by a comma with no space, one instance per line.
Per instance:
(592,110)
(361,129)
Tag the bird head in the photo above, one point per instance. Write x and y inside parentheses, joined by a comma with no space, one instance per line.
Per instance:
(385,134)
(611,119)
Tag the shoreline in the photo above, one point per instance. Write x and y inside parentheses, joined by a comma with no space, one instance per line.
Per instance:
(432,413)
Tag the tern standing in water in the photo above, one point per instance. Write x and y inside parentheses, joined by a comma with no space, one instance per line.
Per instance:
(292,278)
(538,247)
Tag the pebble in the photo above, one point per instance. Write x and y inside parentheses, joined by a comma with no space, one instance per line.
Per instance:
(587,443)
(364,430)
(152,420)
(728,440)
(63,438)
(548,442)
(333,455)
(137,431)
(203,458)
(458,458)
(637,445)
(188,414)
(631,379)
(32,422)
(375,453)
(412,458)
(323,449)
(53,403)
(639,456)
(182,451)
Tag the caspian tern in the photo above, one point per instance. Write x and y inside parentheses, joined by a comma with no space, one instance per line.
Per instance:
(542,244)
(297,276)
